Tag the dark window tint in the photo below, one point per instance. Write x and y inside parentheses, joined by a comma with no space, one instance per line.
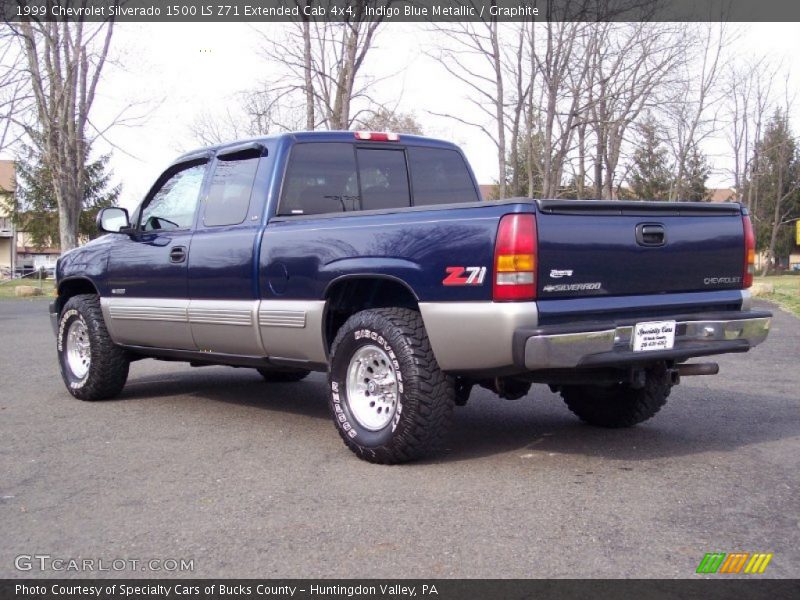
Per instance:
(440,176)
(229,196)
(173,205)
(321,178)
(384,179)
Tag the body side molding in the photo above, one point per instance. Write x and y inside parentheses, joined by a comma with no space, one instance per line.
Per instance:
(292,329)
(284,329)
(148,321)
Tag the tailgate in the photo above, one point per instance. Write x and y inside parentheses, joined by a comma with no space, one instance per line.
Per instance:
(590,248)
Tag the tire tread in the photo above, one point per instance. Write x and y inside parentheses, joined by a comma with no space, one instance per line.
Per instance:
(110,363)
(621,407)
(435,393)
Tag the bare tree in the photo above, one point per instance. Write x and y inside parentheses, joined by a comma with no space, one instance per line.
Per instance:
(630,63)
(14,97)
(776,167)
(691,109)
(210,129)
(251,113)
(322,65)
(384,119)
(748,91)
(562,68)
(471,53)
(517,104)
(63,65)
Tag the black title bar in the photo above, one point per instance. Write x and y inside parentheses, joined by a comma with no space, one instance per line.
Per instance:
(400,10)
(387,589)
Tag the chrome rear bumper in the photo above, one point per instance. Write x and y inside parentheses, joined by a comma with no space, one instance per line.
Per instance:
(605,344)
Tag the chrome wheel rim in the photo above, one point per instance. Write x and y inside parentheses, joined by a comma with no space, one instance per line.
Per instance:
(372,388)
(78,351)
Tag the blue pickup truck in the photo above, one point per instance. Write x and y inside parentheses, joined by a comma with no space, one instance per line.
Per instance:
(372,257)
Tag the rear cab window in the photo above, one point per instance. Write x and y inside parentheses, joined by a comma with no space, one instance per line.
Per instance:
(335,177)
(440,176)
(321,178)
(384,178)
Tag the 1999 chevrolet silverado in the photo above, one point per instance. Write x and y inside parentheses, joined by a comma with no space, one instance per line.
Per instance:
(372,257)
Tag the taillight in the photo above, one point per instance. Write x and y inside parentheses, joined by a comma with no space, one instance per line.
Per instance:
(749,252)
(515,258)
(377,136)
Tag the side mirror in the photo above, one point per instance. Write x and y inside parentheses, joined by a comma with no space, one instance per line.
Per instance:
(113,220)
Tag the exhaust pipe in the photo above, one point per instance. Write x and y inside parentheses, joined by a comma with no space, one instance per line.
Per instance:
(686,370)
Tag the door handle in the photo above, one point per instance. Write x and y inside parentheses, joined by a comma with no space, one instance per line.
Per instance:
(651,234)
(177,254)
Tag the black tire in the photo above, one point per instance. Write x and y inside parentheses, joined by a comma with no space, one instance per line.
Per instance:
(620,405)
(108,363)
(423,406)
(284,376)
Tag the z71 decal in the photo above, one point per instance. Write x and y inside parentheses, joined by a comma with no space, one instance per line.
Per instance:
(464,276)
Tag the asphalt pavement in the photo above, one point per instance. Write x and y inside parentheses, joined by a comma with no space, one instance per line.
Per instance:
(249,479)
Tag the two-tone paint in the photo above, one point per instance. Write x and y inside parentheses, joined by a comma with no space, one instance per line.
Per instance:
(261,291)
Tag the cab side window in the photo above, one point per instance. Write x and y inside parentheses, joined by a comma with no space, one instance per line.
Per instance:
(173,205)
(231,186)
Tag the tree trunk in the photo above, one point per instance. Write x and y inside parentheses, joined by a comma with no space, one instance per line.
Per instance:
(64,67)
(499,105)
(308,78)
(773,239)
(67,224)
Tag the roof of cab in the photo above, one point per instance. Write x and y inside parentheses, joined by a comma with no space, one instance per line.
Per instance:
(317,136)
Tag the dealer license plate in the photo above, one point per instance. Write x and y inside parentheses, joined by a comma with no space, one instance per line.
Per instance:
(653,335)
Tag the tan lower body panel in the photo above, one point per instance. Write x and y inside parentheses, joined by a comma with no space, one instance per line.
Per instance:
(475,335)
(289,329)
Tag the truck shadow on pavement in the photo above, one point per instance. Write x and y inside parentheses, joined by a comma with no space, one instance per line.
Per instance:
(243,387)
(689,424)
(692,422)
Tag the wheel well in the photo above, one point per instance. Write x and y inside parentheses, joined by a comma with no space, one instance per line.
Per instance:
(72,287)
(347,297)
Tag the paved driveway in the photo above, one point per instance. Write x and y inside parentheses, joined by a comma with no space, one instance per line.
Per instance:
(251,479)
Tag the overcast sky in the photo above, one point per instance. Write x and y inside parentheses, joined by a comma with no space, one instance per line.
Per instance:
(180,70)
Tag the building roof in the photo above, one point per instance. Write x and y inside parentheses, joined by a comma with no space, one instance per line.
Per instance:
(8,180)
(721,195)
(488,190)
(32,250)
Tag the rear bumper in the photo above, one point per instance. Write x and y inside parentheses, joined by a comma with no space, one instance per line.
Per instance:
(610,343)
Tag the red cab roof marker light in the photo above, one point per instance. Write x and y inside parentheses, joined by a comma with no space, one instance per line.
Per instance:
(377,136)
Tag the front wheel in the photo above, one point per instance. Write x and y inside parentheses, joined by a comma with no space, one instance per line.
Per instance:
(389,399)
(92,365)
(619,405)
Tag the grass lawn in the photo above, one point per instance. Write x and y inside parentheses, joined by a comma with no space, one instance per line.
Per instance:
(786,291)
(7,288)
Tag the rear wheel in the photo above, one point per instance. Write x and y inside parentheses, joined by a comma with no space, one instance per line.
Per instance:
(283,376)
(93,367)
(619,405)
(389,399)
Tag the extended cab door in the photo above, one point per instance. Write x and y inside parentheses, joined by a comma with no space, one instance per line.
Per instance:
(223,308)
(148,270)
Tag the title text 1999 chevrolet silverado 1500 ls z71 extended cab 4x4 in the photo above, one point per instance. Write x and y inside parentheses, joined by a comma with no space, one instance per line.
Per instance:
(372,256)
